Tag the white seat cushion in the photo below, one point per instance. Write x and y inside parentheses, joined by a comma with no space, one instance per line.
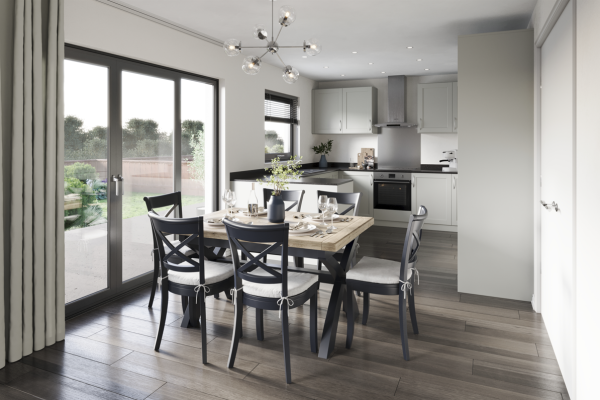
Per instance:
(297,283)
(213,272)
(376,270)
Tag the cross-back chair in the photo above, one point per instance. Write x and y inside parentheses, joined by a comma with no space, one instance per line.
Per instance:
(172,200)
(268,287)
(192,278)
(350,199)
(386,277)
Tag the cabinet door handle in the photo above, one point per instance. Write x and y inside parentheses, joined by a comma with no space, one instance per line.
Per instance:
(370,125)
(453,182)
(371,180)
(340,125)
(455,124)
(413,181)
(420,123)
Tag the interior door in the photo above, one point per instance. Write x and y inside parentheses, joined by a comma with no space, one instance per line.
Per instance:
(557,136)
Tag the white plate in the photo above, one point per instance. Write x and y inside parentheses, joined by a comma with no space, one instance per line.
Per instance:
(263,212)
(307,229)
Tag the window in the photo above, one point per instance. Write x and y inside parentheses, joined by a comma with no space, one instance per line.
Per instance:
(280,120)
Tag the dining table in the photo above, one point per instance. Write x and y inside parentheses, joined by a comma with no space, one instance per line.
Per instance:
(335,250)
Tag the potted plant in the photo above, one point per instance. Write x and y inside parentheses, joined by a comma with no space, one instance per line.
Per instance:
(323,149)
(281,174)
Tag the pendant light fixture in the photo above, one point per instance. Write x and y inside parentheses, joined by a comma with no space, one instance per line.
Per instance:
(251,64)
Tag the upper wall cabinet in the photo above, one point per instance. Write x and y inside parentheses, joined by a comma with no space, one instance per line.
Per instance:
(437,107)
(349,110)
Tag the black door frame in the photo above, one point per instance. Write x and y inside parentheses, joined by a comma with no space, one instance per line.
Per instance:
(116,65)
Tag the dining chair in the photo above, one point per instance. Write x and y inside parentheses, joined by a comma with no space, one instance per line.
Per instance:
(268,287)
(387,277)
(350,199)
(192,278)
(295,196)
(172,200)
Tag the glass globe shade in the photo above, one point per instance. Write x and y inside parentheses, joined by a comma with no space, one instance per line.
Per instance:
(313,47)
(251,65)
(260,32)
(232,47)
(287,15)
(290,74)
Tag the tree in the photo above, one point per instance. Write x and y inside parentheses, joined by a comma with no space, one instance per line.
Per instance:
(189,128)
(74,134)
(137,129)
(196,164)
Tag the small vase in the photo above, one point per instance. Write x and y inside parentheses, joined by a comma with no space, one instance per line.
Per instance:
(276,210)
(323,161)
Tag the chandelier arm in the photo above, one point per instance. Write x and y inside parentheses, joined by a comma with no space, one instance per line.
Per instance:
(263,54)
(272,23)
(279,33)
(284,64)
(255,47)
(291,47)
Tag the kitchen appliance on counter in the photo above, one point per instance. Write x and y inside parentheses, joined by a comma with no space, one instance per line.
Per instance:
(366,158)
(450,156)
(392,191)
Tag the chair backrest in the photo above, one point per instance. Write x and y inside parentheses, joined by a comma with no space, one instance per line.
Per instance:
(193,228)
(240,235)
(353,199)
(172,200)
(295,196)
(412,241)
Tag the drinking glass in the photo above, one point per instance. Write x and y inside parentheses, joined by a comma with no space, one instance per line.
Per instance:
(332,207)
(232,201)
(226,198)
(323,206)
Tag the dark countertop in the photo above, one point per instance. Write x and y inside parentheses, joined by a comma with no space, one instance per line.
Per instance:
(312,179)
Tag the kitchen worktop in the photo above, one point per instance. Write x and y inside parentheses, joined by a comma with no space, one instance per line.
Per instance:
(312,178)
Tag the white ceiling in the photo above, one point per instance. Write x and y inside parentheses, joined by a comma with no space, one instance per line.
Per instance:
(378,30)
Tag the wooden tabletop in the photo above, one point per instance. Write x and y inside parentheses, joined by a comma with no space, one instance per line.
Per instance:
(344,234)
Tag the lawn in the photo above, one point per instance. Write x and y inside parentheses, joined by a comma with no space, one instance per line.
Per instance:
(134,205)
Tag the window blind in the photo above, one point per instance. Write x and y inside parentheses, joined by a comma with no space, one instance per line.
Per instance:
(281,109)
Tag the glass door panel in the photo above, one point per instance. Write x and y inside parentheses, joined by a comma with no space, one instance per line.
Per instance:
(197,135)
(85,170)
(148,117)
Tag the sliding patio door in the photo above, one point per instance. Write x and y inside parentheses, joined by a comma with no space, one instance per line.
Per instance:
(132,130)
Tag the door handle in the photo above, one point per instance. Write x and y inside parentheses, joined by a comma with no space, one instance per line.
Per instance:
(420,123)
(453,182)
(413,181)
(370,125)
(549,207)
(340,125)
(117,179)
(455,123)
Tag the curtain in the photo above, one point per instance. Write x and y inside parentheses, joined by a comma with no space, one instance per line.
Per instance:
(35,313)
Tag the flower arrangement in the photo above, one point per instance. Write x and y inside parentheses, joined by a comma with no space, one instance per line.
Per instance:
(323,148)
(282,173)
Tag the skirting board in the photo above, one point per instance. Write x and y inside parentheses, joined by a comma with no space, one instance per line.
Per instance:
(427,227)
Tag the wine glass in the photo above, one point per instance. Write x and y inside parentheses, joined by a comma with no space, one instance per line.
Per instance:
(226,197)
(232,201)
(332,207)
(323,206)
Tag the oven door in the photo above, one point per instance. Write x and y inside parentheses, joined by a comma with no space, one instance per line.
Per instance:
(392,195)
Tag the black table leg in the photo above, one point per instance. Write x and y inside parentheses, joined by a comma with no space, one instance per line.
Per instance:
(299,262)
(331,320)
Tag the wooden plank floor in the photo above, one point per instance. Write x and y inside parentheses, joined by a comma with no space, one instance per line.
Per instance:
(470,347)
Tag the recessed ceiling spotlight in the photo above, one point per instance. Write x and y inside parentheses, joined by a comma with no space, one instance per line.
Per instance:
(354,52)
(409,47)
(383,72)
(304,56)
(325,67)
(370,63)
(426,69)
(418,59)
(343,75)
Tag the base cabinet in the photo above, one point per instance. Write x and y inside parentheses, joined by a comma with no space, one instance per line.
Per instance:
(434,191)
(455,199)
(363,184)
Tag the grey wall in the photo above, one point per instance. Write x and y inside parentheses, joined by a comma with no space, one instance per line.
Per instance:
(495,252)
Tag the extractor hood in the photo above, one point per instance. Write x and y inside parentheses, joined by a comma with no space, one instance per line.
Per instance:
(396,103)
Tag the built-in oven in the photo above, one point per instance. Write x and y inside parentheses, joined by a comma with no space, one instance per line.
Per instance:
(391,191)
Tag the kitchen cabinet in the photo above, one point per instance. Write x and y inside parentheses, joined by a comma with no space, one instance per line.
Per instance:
(436,109)
(455,106)
(327,111)
(455,199)
(363,184)
(344,110)
(434,191)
